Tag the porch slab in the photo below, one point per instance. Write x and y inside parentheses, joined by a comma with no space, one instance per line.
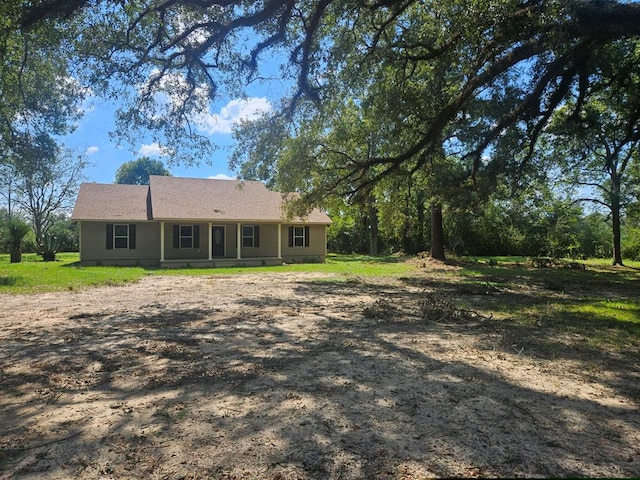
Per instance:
(222,262)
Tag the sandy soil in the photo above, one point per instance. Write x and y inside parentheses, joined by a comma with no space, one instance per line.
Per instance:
(287,376)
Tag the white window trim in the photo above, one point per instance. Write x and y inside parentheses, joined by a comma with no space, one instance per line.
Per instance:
(115,237)
(302,237)
(252,236)
(180,237)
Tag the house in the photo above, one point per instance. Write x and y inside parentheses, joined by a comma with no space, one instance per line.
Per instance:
(191,221)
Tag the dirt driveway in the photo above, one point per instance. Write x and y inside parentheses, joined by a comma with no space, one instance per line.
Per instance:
(287,376)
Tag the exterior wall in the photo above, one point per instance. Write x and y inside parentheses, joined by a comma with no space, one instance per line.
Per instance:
(230,239)
(267,245)
(199,253)
(93,248)
(93,245)
(315,252)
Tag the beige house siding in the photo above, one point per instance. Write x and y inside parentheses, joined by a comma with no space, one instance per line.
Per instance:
(230,239)
(268,242)
(94,244)
(194,253)
(203,204)
(147,252)
(316,251)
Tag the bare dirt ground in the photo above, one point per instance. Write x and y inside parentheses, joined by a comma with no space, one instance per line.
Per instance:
(287,376)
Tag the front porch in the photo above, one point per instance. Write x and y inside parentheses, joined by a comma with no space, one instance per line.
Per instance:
(220,244)
(222,262)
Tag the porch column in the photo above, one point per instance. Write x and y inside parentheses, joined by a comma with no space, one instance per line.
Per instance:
(239,241)
(210,241)
(162,241)
(280,240)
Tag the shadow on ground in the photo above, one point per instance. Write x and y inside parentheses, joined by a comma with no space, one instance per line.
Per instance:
(306,385)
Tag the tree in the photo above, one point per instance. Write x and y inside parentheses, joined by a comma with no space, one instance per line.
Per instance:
(599,141)
(540,50)
(66,231)
(46,179)
(38,93)
(136,172)
(429,68)
(16,229)
(7,187)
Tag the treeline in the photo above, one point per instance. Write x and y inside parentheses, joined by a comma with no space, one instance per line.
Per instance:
(525,225)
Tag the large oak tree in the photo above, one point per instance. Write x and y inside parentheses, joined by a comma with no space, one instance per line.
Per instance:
(478,80)
(185,47)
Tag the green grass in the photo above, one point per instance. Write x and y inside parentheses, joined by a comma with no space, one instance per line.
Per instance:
(612,310)
(340,265)
(33,275)
(599,303)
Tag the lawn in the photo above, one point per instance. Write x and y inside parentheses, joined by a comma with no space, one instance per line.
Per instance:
(33,275)
(600,299)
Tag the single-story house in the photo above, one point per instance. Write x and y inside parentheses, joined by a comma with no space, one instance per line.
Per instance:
(177,221)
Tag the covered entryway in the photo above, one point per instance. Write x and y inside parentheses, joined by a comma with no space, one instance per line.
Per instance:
(218,233)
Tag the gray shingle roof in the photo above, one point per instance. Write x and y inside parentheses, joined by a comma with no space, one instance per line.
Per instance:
(98,201)
(176,198)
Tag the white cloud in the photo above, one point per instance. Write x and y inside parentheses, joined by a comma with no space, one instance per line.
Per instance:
(152,150)
(233,113)
(221,176)
(91,150)
(169,91)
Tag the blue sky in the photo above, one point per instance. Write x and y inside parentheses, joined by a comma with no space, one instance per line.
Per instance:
(104,155)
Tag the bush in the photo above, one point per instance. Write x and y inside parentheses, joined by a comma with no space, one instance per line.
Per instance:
(49,247)
(631,243)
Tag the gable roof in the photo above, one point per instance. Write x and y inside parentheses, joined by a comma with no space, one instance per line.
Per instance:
(98,201)
(193,199)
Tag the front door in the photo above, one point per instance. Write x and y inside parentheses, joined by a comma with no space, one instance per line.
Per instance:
(218,241)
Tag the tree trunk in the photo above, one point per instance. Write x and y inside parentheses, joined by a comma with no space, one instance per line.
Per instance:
(437,233)
(617,247)
(16,254)
(420,208)
(373,228)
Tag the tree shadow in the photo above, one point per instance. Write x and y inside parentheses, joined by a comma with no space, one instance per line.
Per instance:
(281,387)
(9,280)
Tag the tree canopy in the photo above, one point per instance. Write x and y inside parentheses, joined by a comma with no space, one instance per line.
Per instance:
(39,94)
(445,98)
(531,53)
(136,172)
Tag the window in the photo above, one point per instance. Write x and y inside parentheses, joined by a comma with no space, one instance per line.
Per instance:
(250,236)
(121,236)
(186,236)
(247,235)
(299,236)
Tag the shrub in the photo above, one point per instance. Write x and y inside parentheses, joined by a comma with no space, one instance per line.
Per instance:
(16,230)
(49,247)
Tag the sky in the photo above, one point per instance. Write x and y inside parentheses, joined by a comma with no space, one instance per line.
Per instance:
(104,155)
